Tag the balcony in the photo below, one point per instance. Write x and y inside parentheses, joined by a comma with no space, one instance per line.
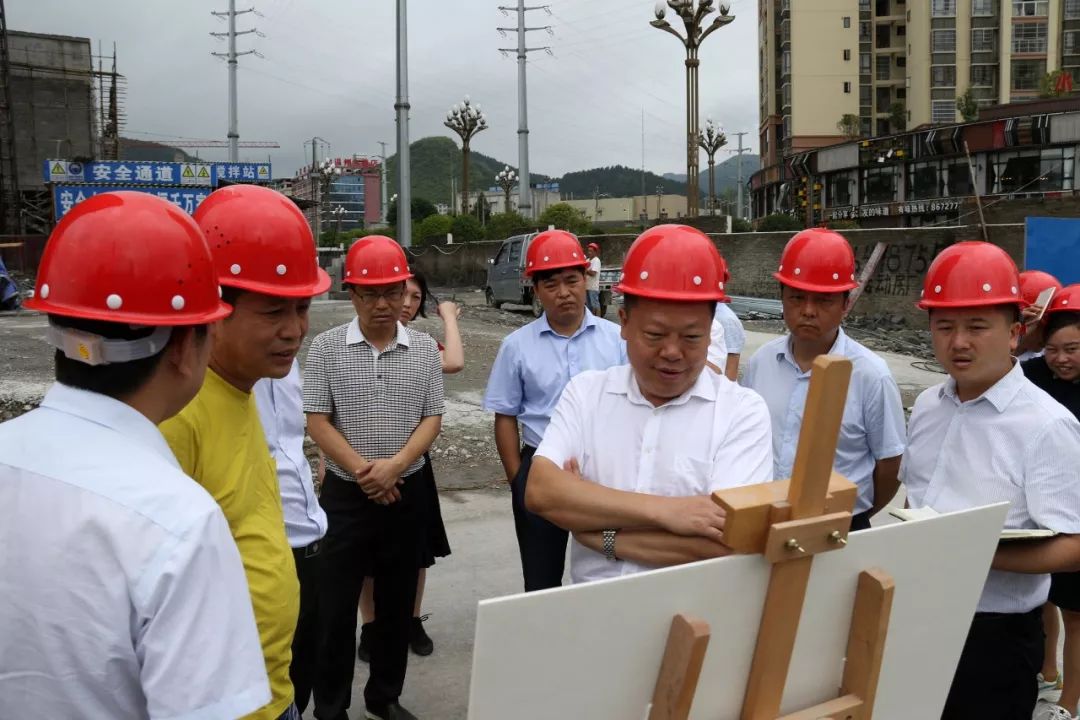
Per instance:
(785,32)
(785,7)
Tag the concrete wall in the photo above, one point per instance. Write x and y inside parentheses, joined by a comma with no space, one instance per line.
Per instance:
(753,257)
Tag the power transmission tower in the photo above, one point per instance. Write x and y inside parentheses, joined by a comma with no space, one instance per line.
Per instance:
(231,57)
(524,190)
(740,151)
(382,187)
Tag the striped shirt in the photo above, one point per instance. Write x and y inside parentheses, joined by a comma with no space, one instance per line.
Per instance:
(1014,443)
(374,399)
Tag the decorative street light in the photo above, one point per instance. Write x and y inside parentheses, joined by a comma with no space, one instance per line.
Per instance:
(506,179)
(692,13)
(338,212)
(466,120)
(327,172)
(711,140)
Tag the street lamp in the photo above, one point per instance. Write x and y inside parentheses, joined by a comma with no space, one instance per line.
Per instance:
(710,140)
(466,120)
(338,212)
(692,13)
(327,172)
(506,179)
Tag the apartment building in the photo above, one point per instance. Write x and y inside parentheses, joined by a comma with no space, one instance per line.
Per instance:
(899,64)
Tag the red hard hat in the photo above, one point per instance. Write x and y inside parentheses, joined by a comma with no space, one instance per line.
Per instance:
(132,258)
(594,246)
(971,274)
(674,262)
(376,260)
(554,250)
(1066,299)
(1033,282)
(818,260)
(261,242)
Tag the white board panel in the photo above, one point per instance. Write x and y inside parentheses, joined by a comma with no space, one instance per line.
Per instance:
(594,651)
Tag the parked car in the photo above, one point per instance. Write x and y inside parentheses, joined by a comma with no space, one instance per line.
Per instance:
(506,281)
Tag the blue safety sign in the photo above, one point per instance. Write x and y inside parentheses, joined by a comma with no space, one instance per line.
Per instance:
(126,172)
(239,172)
(66,197)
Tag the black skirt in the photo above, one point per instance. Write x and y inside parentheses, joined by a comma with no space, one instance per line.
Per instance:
(435,543)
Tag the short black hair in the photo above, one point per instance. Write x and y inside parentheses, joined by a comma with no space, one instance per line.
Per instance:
(116,380)
(542,275)
(231,294)
(419,279)
(629,301)
(1059,321)
(846,293)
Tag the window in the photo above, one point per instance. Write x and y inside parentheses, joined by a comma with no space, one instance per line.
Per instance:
(1029,38)
(847,21)
(901,94)
(865,94)
(924,181)
(983,75)
(1072,9)
(1072,47)
(864,5)
(943,76)
(943,8)
(1031,171)
(864,32)
(901,30)
(1031,8)
(901,61)
(943,111)
(879,184)
(982,8)
(515,251)
(838,189)
(1026,74)
(958,183)
(847,54)
(864,63)
(884,68)
(983,40)
(847,87)
(785,63)
(944,40)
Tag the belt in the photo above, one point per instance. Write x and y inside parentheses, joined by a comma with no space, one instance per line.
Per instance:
(310,550)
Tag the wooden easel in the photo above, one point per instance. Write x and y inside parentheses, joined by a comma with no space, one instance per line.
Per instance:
(789,522)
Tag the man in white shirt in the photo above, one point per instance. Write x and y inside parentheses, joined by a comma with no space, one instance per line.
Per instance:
(817,271)
(733,337)
(592,279)
(1032,284)
(988,435)
(281,410)
(633,453)
(123,592)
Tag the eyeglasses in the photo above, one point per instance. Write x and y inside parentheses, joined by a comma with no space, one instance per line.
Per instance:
(367,297)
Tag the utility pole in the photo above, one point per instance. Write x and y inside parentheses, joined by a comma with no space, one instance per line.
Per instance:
(738,163)
(524,189)
(231,57)
(314,177)
(382,183)
(404,193)
(659,197)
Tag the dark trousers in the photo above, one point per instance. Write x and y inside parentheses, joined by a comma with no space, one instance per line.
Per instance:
(305,646)
(860,521)
(542,545)
(381,542)
(995,679)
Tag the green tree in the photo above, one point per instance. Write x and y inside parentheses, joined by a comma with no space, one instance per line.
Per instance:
(466,228)
(849,126)
(967,105)
(433,228)
(502,225)
(565,217)
(898,116)
(421,208)
(739,225)
(1048,85)
(780,221)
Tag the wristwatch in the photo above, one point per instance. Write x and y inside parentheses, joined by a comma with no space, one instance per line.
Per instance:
(609,545)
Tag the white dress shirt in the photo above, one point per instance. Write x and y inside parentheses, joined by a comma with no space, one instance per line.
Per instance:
(716,435)
(1014,444)
(734,334)
(122,594)
(718,349)
(873,425)
(281,410)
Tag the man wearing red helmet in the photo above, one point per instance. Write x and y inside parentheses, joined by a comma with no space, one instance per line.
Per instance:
(123,593)
(373,393)
(265,259)
(988,435)
(532,368)
(633,453)
(816,273)
(1032,284)
(592,279)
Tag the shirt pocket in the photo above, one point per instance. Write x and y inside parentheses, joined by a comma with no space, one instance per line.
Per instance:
(689,476)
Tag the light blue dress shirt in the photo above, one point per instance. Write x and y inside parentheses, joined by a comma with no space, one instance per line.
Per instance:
(535,363)
(873,425)
(281,410)
(734,334)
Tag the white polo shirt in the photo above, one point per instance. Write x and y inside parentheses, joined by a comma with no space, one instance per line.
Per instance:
(716,435)
(122,594)
(1014,443)
(873,425)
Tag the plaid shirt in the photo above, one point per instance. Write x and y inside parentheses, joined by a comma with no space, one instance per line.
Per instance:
(374,399)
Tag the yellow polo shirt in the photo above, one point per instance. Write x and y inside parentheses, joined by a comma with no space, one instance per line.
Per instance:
(219,441)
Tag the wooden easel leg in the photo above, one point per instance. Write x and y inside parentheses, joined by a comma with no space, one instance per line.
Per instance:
(680,669)
(866,640)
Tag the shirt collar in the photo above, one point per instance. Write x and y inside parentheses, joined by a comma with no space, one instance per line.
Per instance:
(784,352)
(1000,394)
(354,334)
(625,383)
(544,327)
(107,412)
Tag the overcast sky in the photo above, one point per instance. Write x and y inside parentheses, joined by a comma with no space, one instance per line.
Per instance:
(328,70)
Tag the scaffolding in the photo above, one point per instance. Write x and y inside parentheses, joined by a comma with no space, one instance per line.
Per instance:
(10,214)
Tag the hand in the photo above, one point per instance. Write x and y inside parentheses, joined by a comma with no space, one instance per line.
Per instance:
(449,310)
(1030,314)
(379,476)
(571,466)
(389,497)
(696,516)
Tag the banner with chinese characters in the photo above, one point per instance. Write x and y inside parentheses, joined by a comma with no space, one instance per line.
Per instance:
(66,197)
(125,172)
(915,207)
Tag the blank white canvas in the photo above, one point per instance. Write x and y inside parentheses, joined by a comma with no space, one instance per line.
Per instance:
(593,651)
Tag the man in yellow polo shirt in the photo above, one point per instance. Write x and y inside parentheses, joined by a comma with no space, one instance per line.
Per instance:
(265,259)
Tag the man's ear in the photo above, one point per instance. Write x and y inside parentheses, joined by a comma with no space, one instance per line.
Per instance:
(184,352)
